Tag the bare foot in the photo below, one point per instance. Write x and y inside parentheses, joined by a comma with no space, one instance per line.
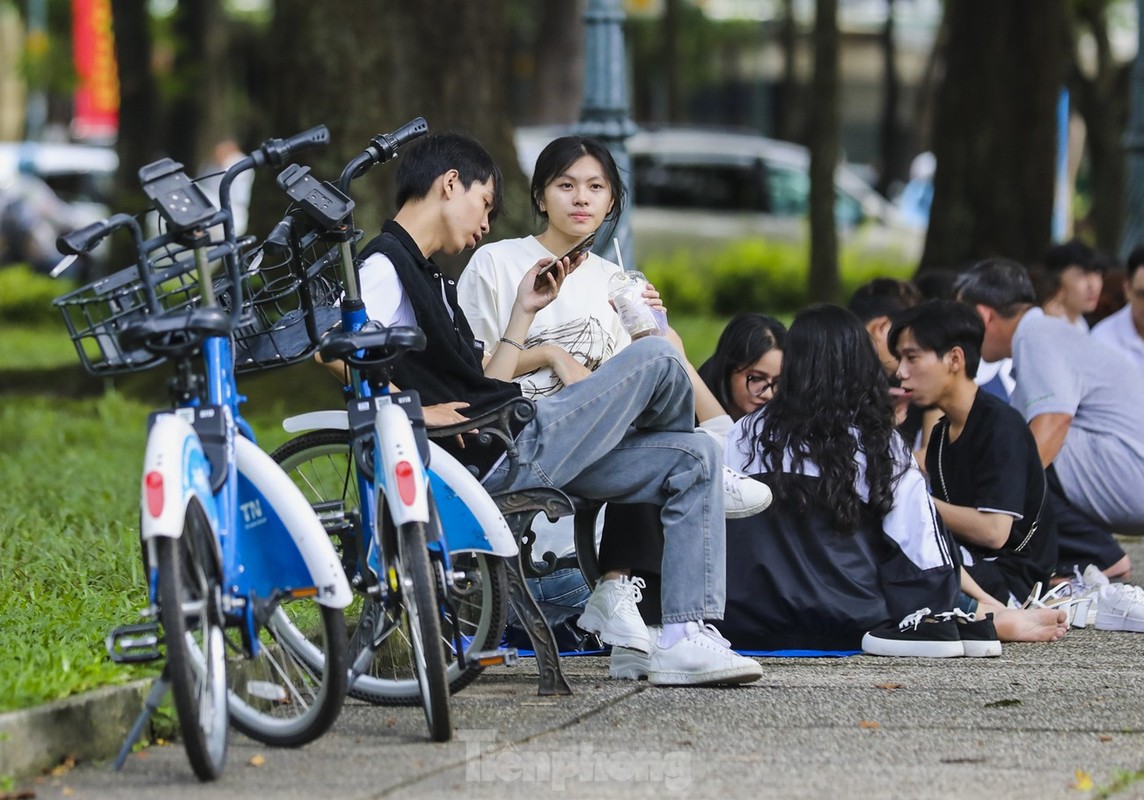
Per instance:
(1029,624)
(1120,571)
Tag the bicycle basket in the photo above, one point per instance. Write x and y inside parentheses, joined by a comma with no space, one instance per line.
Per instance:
(96,313)
(286,311)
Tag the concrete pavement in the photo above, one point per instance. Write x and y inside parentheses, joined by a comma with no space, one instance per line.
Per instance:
(1063,720)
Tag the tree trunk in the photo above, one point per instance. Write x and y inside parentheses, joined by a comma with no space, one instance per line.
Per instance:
(558,55)
(1102,101)
(889,138)
(995,131)
(787,100)
(367,73)
(672,19)
(138,138)
(825,285)
(199,79)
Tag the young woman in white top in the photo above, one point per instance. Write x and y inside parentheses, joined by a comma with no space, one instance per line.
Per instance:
(577,190)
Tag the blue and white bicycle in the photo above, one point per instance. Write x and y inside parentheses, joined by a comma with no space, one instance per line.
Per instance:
(241,575)
(420,538)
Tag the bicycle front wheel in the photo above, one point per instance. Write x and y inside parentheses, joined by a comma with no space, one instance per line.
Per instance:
(278,696)
(196,660)
(420,589)
(320,464)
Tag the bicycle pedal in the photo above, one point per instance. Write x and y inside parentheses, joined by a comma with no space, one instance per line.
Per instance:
(134,644)
(506,657)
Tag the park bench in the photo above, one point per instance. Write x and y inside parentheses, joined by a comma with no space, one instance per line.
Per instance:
(519,509)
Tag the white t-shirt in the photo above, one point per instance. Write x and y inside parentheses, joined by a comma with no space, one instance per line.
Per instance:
(912,521)
(1118,332)
(580,319)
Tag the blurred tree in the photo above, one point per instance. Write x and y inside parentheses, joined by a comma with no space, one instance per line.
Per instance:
(1100,95)
(825,283)
(198,81)
(995,131)
(890,153)
(558,59)
(787,125)
(366,72)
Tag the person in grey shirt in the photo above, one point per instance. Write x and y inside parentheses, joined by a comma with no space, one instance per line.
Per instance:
(1081,400)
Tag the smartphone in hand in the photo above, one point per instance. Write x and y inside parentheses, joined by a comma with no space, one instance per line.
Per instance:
(583,246)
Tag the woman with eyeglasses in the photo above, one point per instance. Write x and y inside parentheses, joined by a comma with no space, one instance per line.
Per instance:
(748,360)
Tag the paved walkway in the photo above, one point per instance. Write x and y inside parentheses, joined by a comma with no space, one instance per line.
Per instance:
(1064,720)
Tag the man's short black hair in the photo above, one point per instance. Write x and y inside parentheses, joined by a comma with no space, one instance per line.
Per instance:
(433,155)
(883,297)
(1135,261)
(1073,253)
(999,283)
(940,326)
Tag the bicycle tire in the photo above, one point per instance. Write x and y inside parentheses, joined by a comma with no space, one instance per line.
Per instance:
(278,697)
(420,593)
(320,463)
(188,589)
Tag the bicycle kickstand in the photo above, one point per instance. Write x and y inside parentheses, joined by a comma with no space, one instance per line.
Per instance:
(158,691)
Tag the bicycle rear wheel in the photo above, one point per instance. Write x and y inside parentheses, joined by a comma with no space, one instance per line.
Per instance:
(321,466)
(192,625)
(420,589)
(279,697)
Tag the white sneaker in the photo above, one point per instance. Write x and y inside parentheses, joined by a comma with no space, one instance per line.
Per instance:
(743,496)
(611,614)
(701,658)
(632,665)
(1120,607)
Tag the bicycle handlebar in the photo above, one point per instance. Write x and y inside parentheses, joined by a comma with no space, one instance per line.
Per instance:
(276,152)
(381,148)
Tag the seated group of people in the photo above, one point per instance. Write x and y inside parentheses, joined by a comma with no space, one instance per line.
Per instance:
(852,541)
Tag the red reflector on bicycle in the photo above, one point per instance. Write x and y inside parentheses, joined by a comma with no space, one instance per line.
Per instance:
(406,485)
(154,484)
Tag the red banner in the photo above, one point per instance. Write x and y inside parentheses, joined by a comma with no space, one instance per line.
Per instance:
(96,114)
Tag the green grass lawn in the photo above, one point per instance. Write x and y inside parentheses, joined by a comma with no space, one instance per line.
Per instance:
(70,567)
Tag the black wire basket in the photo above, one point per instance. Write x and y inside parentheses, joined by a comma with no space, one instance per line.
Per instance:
(286,307)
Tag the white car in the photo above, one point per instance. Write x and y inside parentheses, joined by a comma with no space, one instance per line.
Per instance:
(698,189)
(47,189)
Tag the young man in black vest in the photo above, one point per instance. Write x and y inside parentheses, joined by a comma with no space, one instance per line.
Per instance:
(626,433)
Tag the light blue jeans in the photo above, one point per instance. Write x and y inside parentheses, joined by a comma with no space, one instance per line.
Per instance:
(627,433)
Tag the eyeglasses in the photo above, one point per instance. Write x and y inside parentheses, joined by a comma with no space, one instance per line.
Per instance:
(758,385)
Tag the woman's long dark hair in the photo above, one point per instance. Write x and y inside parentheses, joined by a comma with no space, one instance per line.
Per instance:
(832,399)
(747,338)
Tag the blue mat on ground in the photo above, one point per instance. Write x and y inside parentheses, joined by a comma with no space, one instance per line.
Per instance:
(752,653)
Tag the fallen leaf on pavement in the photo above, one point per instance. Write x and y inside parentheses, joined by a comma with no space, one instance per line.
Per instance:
(888,686)
(868,724)
(257,761)
(1083,781)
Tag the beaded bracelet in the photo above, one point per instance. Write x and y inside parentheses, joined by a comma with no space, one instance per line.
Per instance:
(517,345)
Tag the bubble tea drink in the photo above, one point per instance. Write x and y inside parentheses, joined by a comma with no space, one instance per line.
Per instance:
(625,290)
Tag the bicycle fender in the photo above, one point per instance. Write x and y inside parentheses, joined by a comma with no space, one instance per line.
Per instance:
(175,469)
(293,550)
(334,419)
(398,466)
(471,519)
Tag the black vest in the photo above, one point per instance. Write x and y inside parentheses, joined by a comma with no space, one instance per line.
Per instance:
(449,369)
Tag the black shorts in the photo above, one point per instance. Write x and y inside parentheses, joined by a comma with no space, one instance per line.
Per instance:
(1081,539)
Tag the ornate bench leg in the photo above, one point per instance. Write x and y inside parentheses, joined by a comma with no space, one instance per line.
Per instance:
(552,679)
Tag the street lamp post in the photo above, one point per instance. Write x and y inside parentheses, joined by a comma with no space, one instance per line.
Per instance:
(604,113)
(1133,234)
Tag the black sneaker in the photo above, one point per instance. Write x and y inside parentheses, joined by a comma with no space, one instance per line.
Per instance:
(921,634)
(978,635)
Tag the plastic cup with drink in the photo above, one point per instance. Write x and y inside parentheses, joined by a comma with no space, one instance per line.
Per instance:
(625,290)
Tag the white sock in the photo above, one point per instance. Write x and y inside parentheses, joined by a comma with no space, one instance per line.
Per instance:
(675,631)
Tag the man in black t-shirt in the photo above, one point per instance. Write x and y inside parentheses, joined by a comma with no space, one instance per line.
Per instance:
(985,474)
